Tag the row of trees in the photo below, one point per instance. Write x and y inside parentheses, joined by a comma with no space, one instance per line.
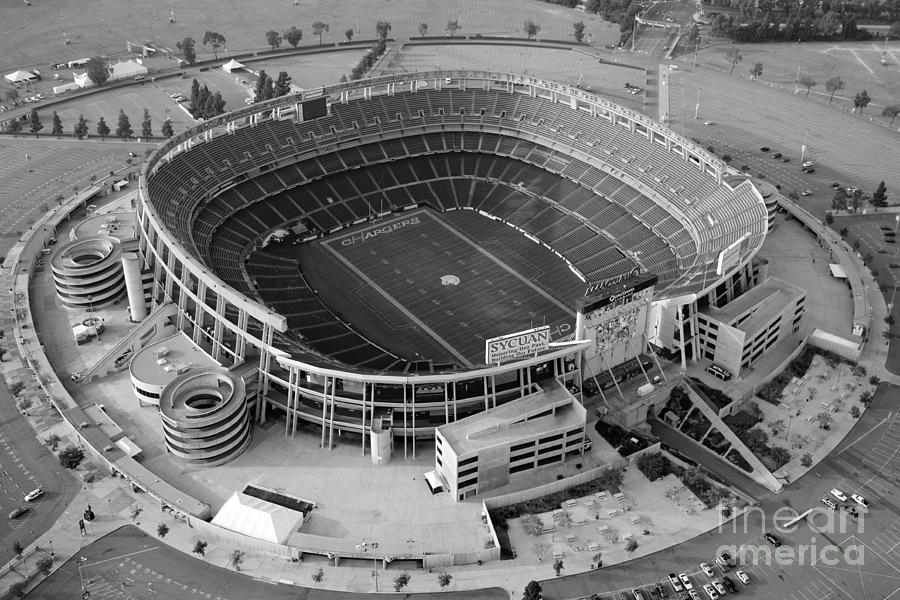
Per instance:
(767,28)
(81,130)
(842,200)
(268,88)
(884,11)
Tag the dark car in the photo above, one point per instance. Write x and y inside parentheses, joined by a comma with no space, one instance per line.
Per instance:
(18,512)
(764,149)
(772,540)
(729,584)
(776,155)
(810,170)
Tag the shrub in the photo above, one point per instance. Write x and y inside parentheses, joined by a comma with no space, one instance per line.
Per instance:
(17,589)
(71,457)
(45,565)
(200,548)
(162,529)
(16,388)
(779,456)
(806,460)
(17,548)
(715,396)
(631,545)
(53,441)
(735,458)
(654,465)
(854,411)
(401,581)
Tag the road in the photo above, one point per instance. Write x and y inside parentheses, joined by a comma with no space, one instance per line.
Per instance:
(150,569)
(25,464)
(827,556)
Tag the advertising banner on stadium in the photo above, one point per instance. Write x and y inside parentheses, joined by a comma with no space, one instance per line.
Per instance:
(517,345)
(730,256)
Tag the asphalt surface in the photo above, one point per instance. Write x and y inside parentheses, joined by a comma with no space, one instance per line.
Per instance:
(150,569)
(835,557)
(25,464)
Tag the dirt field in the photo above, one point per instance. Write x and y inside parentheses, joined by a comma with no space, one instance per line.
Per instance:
(33,35)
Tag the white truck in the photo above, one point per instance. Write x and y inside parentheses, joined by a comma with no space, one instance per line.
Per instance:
(645,390)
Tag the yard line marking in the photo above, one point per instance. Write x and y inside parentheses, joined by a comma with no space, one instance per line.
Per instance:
(399,306)
(121,556)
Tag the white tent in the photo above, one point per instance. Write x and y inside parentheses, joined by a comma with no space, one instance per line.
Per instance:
(127,69)
(19,76)
(258,518)
(83,81)
(232,65)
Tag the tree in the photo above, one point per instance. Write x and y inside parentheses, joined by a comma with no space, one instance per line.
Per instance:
(162,529)
(349,34)
(558,566)
(866,398)
(81,128)
(833,85)
(756,71)
(236,559)
(854,411)
(806,460)
(531,28)
(532,591)
(631,545)
(17,588)
(734,57)
(444,580)
(146,125)
(215,40)
(17,548)
(891,110)
(45,565)
(282,85)
(807,82)
(102,128)
(57,128)
(34,122)
(12,95)
(895,29)
(97,70)
(861,100)
(293,36)
(273,38)
(53,441)
(14,127)
(318,28)
(401,581)
(453,26)
(265,87)
(578,31)
(167,129)
(824,420)
(423,29)
(187,50)
(200,548)
(71,457)
(123,127)
(318,576)
(383,29)
(879,198)
(839,202)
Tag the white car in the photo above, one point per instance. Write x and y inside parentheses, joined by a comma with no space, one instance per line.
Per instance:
(720,587)
(694,595)
(806,193)
(829,503)
(860,500)
(707,569)
(743,577)
(713,594)
(687,582)
(707,122)
(676,583)
(839,494)
(34,494)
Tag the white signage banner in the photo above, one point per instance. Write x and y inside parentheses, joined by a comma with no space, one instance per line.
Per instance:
(517,345)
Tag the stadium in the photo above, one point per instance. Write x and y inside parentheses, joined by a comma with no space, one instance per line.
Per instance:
(350,249)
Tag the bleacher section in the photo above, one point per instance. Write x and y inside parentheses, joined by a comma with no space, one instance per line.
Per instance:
(556,172)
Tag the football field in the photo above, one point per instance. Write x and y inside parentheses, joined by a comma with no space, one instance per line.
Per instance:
(429,285)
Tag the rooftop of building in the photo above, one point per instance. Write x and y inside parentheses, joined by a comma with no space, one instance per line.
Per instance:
(507,423)
(767,299)
(164,360)
(120,225)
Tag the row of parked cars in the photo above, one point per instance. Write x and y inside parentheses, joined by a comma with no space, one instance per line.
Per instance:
(718,586)
(836,494)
